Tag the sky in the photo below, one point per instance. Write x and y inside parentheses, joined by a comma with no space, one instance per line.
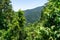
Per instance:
(27,4)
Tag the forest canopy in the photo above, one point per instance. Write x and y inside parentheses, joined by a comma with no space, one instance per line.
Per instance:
(13,24)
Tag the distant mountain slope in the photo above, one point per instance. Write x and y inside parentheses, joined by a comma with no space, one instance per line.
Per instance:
(33,15)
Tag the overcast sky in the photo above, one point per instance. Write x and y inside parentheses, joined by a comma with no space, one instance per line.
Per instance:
(27,4)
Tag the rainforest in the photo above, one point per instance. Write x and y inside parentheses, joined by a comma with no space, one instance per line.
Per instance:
(40,23)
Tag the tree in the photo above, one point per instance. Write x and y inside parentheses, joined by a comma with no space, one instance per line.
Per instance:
(51,18)
(9,26)
(51,13)
(5,13)
(21,20)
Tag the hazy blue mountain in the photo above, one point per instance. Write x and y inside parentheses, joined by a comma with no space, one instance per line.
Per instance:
(33,15)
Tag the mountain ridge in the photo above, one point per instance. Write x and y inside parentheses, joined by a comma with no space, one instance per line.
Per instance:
(33,15)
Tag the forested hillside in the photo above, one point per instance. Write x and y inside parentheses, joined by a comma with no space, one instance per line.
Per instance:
(12,24)
(33,15)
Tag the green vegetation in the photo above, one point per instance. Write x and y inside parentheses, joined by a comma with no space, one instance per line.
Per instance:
(13,24)
(34,13)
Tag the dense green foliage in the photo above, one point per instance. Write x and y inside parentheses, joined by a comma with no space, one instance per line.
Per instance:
(49,26)
(51,18)
(5,8)
(12,24)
